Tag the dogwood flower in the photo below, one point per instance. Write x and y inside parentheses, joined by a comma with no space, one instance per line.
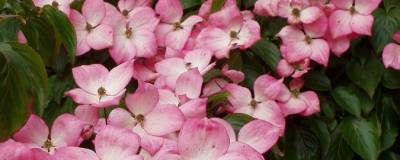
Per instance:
(90,31)
(297,12)
(62,5)
(99,87)
(295,70)
(14,151)
(391,52)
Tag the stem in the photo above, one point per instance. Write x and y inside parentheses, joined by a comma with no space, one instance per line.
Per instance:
(105,115)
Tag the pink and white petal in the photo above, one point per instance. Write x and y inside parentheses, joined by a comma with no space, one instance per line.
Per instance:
(11,150)
(116,143)
(239,96)
(260,135)
(245,150)
(90,77)
(342,4)
(318,28)
(170,11)
(151,144)
(189,84)
(121,118)
(340,23)
(171,67)
(233,156)
(214,39)
(65,8)
(390,56)
(39,154)
(72,153)
(339,45)
(100,37)
(249,34)
(66,130)
(34,133)
(214,86)
(196,108)
(94,11)
(270,112)
(161,33)
(113,16)
(361,24)
(310,14)
(170,157)
(366,7)
(284,9)
(228,128)
(291,34)
(284,69)
(228,18)
(41,3)
(145,43)
(298,51)
(164,119)
(312,101)
(267,87)
(191,21)
(143,73)
(77,20)
(199,58)
(177,39)
(87,114)
(320,51)
(123,49)
(118,78)
(82,97)
(167,97)
(293,106)
(143,18)
(144,100)
(109,100)
(131,4)
(202,139)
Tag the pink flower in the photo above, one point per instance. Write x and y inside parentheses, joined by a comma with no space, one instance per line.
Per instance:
(228,30)
(297,12)
(352,16)
(173,32)
(90,31)
(62,5)
(266,7)
(127,6)
(89,116)
(99,87)
(391,56)
(304,103)
(135,37)
(296,70)
(146,118)
(65,131)
(263,106)
(11,150)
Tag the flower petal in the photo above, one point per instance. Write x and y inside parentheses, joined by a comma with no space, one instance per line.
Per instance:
(170,11)
(233,156)
(340,23)
(189,84)
(164,119)
(118,78)
(195,108)
(239,96)
(100,37)
(94,11)
(143,100)
(66,130)
(87,114)
(390,56)
(312,101)
(34,133)
(320,51)
(90,77)
(361,24)
(121,118)
(72,153)
(259,134)
(366,7)
(151,144)
(245,150)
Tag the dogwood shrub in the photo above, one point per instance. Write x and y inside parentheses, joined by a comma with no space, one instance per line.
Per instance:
(199,79)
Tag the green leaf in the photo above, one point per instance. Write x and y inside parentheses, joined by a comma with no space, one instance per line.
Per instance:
(389,123)
(64,29)
(238,120)
(365,73)
(217,5)
(317,80)
(385,24)
(391,79)
(301,143)
(389,156)
(268,52)
(321,131)
(362,136)
(213,102)
(213,73)
(190,3)
(23,80)
(55,109)
(9,28)
(348,100)
(338,148)
(389,4)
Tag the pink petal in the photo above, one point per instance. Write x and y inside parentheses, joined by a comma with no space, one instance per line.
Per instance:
(34,133)
(318,28)
(172,68)
(284,69)
(143,73)
(189,84)
(80,96)
(11,150)
(310,14)
(214,39)
(291,34)
(298,51)
(396,37)
(151,144)
(164,119)
(267,87)
(339,45)
(312,101)
(170,157)
(66,130)
(228,18)
(109,100)
(87,114)
(78,20)
(94,11)
(145,43)
(113,16)
(167,97)
(342,4)
(123,48)
(177,39)
(162,31)
(100,37)
(170,11)
(390,56)
(199,58)
(245,150)
(249,34)
(41,3)
(121,118)
(118,78)
(143,100)
(320,51)
(293,106)
(131,4)
(362,24)
(90,77)
(214,86)
(202,139)
(366,7)
(233,156)
(228,128)
(340,23)
(143,18)
(239,96)
(270,111)
(235,76)
(195,108)
(71,153)
(116,143)
(259,134)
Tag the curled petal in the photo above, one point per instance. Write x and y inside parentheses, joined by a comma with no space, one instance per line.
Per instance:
(143,100)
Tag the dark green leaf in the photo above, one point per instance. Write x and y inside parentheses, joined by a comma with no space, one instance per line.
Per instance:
(389,156)
(389,123)
(238,120)
(23,80)
(190,3)
(8,29)
(320,129)
(338,149)
(213,73)
(385,24)
(365,73)
(218,97)
(268,52)
(347,100)
(391,79)
(217,5)
(317,80)
(389,4)
(64,29)
(55,109)
(301,143)
(362,136)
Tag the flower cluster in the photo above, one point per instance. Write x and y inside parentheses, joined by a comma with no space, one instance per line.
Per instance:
(168,53)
